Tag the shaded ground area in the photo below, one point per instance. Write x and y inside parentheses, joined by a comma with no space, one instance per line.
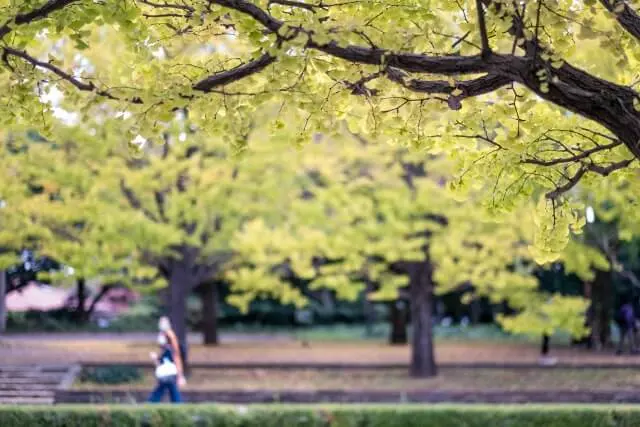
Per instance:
(455,379)
(239,349)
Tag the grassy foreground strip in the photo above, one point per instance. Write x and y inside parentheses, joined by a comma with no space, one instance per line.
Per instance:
(321,416)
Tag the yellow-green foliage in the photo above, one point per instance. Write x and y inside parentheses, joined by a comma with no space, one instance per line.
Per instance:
(362,216)
(397,71)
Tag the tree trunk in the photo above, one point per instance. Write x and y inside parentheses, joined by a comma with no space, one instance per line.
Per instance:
(178,285)
(96,300)
(209,296)
(398,319)
(544,351)
(602,303)
(475,311)
(423,364)
(3,299)
(369,311)
(81,294)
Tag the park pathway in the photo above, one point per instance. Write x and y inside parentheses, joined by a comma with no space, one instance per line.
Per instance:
(32,384)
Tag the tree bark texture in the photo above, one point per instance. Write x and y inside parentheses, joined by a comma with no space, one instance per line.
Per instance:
(398,320)
(3,299)
(81,295)
(423,364)
(602,303)
(209,296)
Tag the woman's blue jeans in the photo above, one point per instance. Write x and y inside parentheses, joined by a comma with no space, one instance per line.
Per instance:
(161,388)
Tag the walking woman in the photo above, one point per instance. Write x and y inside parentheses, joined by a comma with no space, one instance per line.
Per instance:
(169,372)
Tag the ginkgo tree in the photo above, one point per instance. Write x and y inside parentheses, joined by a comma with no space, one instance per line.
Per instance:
(379,213)
(54,193)
(595,255)
(535,95)
(157,213)
(199,191)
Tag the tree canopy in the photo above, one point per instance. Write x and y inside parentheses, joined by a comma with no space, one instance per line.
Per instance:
(542,91)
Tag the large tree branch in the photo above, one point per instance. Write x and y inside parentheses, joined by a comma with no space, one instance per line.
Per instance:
(34,15)
(626,16)
(225,77)
(450,65)
(574,89)
(466,88)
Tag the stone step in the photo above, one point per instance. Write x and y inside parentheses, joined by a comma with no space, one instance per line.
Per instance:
(26,400)
(33,368)
(34,386)
(51,381)
(31,375)
(26,393)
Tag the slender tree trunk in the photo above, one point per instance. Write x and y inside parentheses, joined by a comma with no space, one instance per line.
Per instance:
(602,300)
(209,296)
(398,319)
(103,291)
(474,311)
(3,299)
(178,291)
(81,294)
(544,350)
(369,311)
(423,364)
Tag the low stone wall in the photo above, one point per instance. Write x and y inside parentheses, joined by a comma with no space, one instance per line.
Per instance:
(339,396)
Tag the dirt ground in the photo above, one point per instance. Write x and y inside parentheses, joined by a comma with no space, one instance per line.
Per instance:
(63,349)
(454,379)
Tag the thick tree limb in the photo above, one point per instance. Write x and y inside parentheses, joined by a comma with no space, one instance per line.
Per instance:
(571,88)
(626,16)
(468,88)
(450,65)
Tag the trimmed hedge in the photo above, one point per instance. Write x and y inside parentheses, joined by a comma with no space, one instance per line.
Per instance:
(320,416)
(111,374)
